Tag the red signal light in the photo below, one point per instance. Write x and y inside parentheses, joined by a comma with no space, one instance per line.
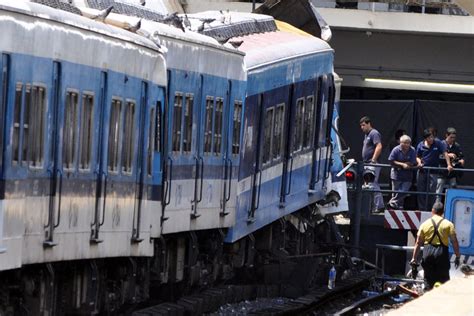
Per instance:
(350,176)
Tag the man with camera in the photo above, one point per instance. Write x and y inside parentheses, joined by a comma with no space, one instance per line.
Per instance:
(456,158)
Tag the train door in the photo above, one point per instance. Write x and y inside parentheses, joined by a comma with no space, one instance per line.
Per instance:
(296,162)
(4,76)
(232,128)
(271,131)
(140,161)
(321,153)
(211,151)
(55,170)
(100,163)
(152,151)
(3,106)
(72,136)
(252,158)
(325,131)
(316,152)
(184,162)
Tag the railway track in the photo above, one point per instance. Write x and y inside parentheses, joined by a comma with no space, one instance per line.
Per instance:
(209,301)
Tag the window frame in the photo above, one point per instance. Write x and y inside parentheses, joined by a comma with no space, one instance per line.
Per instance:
(17,131)
(187,123)
(281,131)
(218,126)
(208,125)
(308,121)
(151,141)
(268,135)
(118,138)
(86,131)
(177,136)
(38,139)
(297,145)
(237,127)
(69,144)
(128,137)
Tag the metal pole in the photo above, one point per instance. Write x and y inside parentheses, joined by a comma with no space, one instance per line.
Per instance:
(253,5)
(355,221)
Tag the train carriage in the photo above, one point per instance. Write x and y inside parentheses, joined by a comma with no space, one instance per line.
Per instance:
(286,150)
(79,166)
(206,89)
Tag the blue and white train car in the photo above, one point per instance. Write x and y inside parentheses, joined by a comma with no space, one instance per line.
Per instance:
(80,168)
(286,155)
(206,91)
(459,209)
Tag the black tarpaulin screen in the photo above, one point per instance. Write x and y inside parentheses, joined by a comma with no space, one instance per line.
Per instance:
(413,116)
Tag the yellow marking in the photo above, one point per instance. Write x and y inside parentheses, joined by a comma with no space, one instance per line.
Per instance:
(288,28)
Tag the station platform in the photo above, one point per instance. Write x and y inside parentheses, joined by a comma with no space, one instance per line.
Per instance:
(455,297)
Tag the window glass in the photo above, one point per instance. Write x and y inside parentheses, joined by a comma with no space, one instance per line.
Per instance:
(158,127)
(36,127)
(277,144)
(237,127)
(151,138)
(16,123)
(308,122)
(298,130)
(331,97)
(86,131)
(218,126)
(128,150)
(208,125)
(26,125)
(324,116)
(177,118)
(267,135)
(114,135)
(70,129)
(188,123)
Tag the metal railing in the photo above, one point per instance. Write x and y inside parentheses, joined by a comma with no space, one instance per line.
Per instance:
(359,191)
(428,171)
(382,249)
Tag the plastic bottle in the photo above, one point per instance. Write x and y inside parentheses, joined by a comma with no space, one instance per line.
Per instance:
(332,278)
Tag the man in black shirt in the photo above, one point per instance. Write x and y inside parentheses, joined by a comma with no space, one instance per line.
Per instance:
(456,157)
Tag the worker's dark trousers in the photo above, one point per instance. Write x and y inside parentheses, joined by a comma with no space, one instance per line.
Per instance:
(435,264)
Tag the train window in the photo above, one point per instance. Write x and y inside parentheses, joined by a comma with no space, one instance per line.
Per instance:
(16,123)
(158,127)
(308,121)
(331,98)
(70,129)
(151,138)
(277,144)
(218,126)
(114,134)
(208,125)
(177,121)
(26,125)
(267,136)
(237,127)
(298,130)
(86,131)
(188,123)
(324,115)
(36,127)
(128,152)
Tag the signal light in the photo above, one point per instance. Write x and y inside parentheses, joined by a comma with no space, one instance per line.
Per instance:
(350,176)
